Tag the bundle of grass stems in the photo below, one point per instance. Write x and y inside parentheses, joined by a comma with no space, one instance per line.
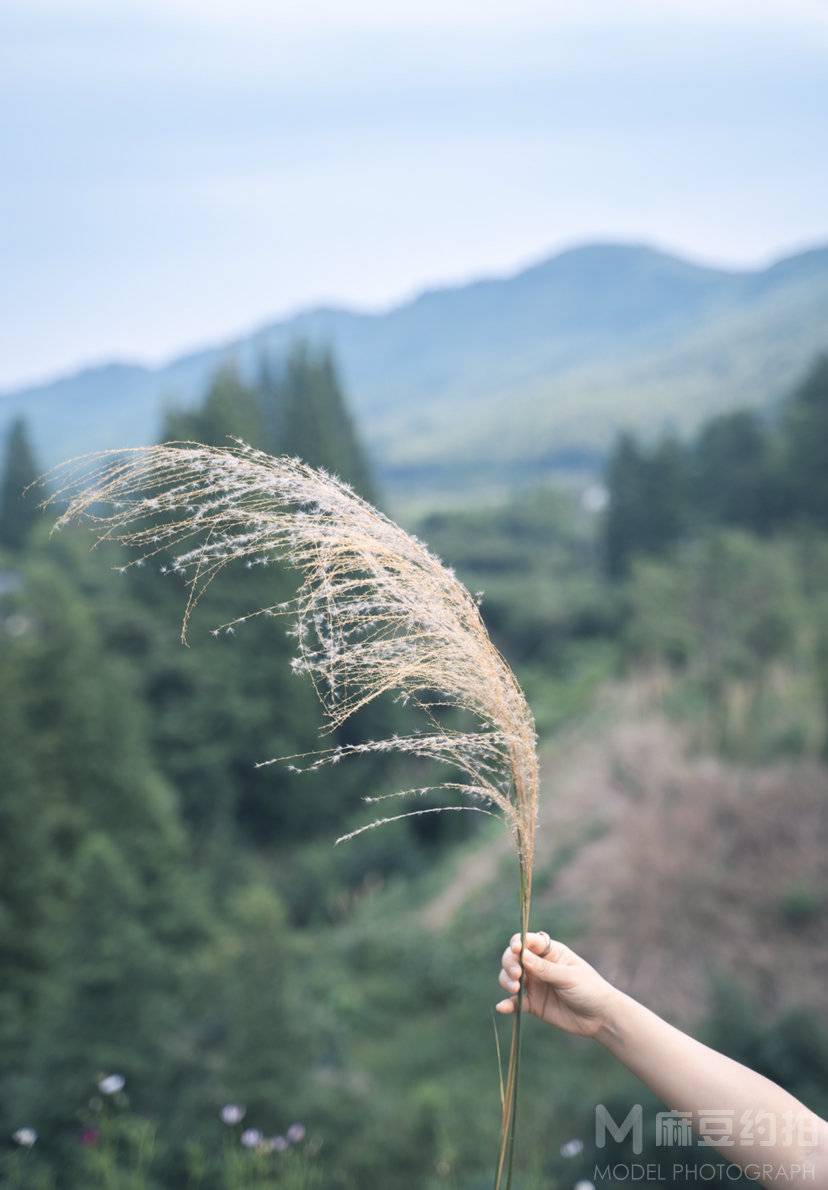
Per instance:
(375,613)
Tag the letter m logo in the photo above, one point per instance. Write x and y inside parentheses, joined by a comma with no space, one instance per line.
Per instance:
(633,1123)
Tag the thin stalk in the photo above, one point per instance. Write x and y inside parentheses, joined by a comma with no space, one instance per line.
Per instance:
(505,1157)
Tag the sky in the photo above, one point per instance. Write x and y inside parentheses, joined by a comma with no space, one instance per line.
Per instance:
(175,172)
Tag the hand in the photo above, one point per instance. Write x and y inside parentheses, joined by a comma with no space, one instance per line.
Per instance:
(560,987)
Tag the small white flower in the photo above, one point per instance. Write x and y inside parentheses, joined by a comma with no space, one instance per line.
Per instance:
(296,1133)
(250,1138)
(25,1137)
(278,1144)
(112,1084)
(583,1185)
(572,1148)
(232,1113)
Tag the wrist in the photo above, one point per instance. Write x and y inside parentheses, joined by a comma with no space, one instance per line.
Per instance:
(610,1031)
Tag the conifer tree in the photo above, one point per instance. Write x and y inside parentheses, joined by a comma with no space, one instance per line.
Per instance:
(218,710)
(109,1006)
(806,429)
(315,423)
(230,408)
(26,905)
(625,511)
(18,507)
(647,510)
(130,914)
(734,479)
(269,1020)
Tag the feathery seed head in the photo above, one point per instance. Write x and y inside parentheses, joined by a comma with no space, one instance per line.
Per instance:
(376,612)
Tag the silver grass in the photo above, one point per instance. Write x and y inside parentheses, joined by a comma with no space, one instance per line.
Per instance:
(375,613)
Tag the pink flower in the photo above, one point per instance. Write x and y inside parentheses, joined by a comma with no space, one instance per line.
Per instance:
(90,1137)
(296,1133)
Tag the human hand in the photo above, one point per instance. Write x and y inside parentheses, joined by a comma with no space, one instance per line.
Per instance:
(560,987)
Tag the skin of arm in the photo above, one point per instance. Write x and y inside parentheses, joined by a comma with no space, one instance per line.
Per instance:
(562,989)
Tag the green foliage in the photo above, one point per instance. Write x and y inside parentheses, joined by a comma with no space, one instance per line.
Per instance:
(312,421)
(739,471)
(736,474)
(26,901)
(18,506)
(729,614)
(113,978)
(230,407)
(274,1023)
(745,621)
(648,501)
(791,1049)
(171,913)
(800,905)
(805,428)
(118,1149)
(724,606)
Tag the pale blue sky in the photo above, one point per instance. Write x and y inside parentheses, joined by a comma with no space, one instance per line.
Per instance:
(175,171)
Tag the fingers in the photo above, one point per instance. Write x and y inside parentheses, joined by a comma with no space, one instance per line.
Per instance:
(510,963)
(508,982)
(548,971)
(539,942)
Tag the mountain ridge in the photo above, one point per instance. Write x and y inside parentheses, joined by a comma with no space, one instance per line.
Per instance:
(548,360)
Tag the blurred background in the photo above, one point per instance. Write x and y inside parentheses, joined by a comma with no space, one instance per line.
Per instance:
(549,284)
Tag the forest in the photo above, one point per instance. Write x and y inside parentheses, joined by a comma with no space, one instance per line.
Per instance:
(198,989)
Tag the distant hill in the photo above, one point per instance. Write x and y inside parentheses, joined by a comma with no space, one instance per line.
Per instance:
(503,376)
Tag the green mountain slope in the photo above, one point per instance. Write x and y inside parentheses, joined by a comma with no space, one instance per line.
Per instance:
(523,373)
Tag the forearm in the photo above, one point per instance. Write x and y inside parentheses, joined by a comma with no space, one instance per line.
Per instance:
(691,1077)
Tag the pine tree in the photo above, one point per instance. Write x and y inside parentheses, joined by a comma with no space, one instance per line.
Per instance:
(89,745)
(18,507)
(664,496)
(269,394)
(130,914)
(734,478)
(625,511)
(109,1006)
(230,408)
(314,421)
(806,431)
(269,1020)
(26,904)
(647,510)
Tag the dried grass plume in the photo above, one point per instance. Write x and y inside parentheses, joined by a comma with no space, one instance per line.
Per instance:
(375,612)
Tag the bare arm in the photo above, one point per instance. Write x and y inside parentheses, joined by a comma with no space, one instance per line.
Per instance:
(771,1129)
